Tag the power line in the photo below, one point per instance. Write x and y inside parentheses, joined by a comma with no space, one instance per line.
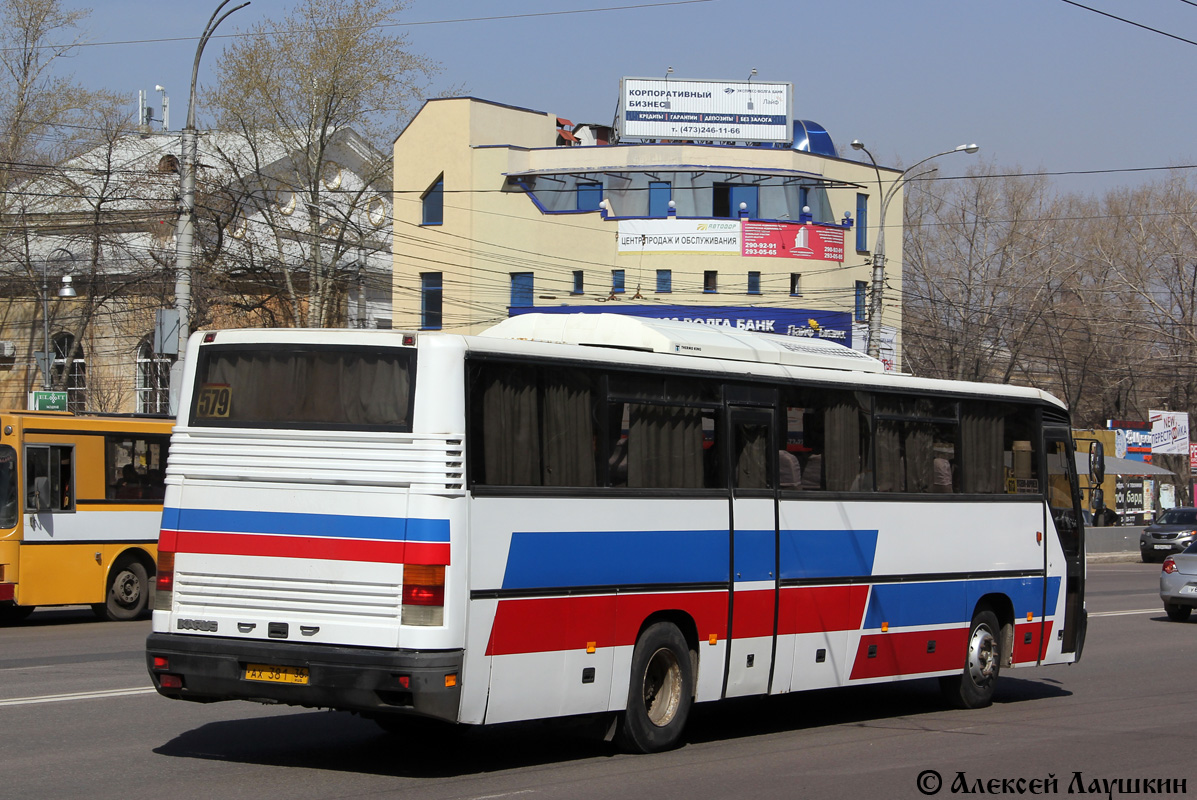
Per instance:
(1132,22)
(322,31)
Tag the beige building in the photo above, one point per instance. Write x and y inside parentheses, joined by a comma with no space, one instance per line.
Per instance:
(501,210)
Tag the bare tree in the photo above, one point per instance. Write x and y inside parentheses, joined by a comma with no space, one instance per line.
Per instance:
(978,274)
(39,104)
(293,91)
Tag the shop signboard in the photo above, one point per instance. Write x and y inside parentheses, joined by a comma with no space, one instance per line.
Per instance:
(673,235)
(1132,439)
(834,326)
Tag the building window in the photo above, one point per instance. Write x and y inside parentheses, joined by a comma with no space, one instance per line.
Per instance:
(431,299)
(795,283)
(433,203)
(710,281)
(803,198)
(729,196)
(589,196)
(862,293)
(70,373)
(153,379)
(617,282)
(754,283)
(577,282)
(664,280)
(862,222)
(521,289)
(659,195)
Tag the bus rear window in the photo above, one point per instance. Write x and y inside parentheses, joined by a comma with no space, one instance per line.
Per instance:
(344,388)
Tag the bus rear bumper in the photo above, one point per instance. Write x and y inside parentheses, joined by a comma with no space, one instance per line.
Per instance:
(369,680)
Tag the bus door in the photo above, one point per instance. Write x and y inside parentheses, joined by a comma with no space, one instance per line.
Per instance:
(753,526)
(1064,504)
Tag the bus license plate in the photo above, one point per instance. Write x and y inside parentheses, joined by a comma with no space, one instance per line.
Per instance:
(274,674)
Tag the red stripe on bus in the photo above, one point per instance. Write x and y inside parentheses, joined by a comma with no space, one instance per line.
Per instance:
(316,547)
(540,625)
(752,614)
(427,553)
(1032,651)
(907,653)
(168,540)
(814,609)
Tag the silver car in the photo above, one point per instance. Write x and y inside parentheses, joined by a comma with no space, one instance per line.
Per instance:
(1178,584)
(1175,530)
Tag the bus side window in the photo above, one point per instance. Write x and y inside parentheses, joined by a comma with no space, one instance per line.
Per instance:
(49,478)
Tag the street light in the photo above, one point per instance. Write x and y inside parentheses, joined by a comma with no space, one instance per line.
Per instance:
(46,358)
(185,234)
(879,251)
(165,106)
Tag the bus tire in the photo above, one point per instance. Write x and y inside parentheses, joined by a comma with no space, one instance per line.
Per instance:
(128,593)
(973,687)
(661,691)
(11,612)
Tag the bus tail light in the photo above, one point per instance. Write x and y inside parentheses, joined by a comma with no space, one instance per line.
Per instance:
(423,595)
(164,581)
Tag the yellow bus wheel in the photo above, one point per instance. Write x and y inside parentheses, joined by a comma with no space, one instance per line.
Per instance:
(128,592)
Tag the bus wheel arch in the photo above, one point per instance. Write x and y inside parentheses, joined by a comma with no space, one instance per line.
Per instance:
(128,587)
(662,684)
(1003,609)
(988,635)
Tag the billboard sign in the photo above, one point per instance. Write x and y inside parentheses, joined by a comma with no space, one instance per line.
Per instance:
(673,235)
(793,240)
(1169,433)
(834,326)
(739,111)
(888,351)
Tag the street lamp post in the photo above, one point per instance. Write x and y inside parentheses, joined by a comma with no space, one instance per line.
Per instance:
(879,250)
(45,359)
(185,234)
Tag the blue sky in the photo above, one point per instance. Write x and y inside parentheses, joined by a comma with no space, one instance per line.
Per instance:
(1039,84)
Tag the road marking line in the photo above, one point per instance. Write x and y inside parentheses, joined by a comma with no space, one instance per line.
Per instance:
(1127,613)
(62,698)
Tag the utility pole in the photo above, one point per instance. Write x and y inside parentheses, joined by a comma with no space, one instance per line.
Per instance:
(907,175)
(185,232)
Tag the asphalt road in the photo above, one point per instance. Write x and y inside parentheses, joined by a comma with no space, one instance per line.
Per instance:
(79,721)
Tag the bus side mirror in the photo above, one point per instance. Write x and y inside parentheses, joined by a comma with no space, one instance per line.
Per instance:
(1097,499)
(1097,462)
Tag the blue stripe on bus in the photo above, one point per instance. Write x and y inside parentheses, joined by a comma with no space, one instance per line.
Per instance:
(827,553)
(539,560)
(754,555)
(947,602)
(295,524)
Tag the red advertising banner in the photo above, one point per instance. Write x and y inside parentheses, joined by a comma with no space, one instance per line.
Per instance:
(793,240)
(1193,458)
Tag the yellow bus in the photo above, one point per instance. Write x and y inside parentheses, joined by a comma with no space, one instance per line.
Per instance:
(80,510)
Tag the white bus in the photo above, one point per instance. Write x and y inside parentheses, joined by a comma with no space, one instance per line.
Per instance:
(601,515)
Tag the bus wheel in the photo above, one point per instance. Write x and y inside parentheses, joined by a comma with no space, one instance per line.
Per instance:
(973,687)
(661,691)
(128,593)
(11,612)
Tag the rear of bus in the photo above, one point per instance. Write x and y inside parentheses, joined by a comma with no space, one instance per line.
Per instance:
(306,554)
